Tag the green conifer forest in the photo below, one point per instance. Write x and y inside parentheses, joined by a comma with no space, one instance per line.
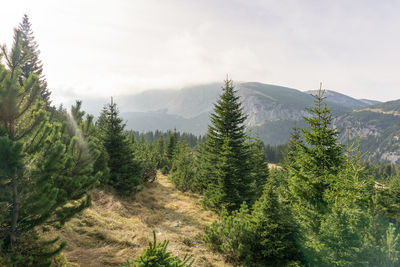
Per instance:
(319,204)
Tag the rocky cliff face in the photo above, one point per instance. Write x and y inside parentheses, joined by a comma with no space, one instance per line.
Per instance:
(258,114)
(272,113)
(259,110)
(378,133)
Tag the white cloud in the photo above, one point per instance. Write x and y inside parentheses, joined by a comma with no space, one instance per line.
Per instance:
(102,48)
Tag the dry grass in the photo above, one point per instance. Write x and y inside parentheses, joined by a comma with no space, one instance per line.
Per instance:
(274,166)
(116,229)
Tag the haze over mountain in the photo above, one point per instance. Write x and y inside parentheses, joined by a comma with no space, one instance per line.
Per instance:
(344,100)
(261,102)
(272,112)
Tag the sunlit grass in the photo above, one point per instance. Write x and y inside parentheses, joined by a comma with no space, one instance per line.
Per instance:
(115,229)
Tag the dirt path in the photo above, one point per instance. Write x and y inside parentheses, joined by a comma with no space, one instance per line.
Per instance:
(116,229)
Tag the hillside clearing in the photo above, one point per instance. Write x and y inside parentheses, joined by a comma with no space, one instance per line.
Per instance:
(116,229)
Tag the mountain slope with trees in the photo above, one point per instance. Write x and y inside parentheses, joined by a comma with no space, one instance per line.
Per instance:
(377,128)
(188,109)
(220,201)
(272,111)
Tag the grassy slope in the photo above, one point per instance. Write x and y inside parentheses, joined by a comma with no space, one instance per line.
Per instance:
(116,229)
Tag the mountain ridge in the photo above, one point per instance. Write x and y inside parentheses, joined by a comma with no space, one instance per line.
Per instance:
(272,112)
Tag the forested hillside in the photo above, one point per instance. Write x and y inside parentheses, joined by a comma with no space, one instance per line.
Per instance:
(272,112)
(271,109)
(75,190)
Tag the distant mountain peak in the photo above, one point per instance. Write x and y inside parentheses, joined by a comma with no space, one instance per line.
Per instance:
(342,99)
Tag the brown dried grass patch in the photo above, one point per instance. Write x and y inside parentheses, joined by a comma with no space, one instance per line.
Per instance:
(115,229)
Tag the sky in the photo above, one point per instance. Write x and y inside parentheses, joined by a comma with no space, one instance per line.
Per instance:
(112,48)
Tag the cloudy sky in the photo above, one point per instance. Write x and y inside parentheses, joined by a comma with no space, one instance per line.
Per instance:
(102,48)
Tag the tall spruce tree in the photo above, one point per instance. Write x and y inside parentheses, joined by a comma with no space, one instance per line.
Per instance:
(224,168)
(125,172)
(45,173)
(318,158)
(32,64)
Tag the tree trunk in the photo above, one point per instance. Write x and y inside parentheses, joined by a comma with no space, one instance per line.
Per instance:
(15,213)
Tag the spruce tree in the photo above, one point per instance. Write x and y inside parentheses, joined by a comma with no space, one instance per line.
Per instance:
(262,237)
(318,159)
(184,167)
(32,64)
(341,238)
(225,167)
(170,150)
(86,129)
(145,155)
(275,230)
(204,168)
(259,167)
(45,172)
(125,172)
(160,151)
(158,255)
(292,148)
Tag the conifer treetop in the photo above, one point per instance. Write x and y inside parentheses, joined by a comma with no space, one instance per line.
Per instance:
(31,52)
(228,117)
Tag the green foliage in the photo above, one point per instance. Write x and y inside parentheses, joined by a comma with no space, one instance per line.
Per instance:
(387,199)
(203,166)
(318,158)
(262,237)
(390,247)
(225,192)
(46,169)
(125,172)
(335,201)
(350,236)
(289,160)
(383,172)
(165,170)
(259,170)
(85,129)
(159,148)
(32,63)
(275,154)
(183,167)
(275,230)
(156,255)
(224,169)
(393,203)
(341,238)
(147,157)
(170,151)
(154,136)
(41,253)
(233,235)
